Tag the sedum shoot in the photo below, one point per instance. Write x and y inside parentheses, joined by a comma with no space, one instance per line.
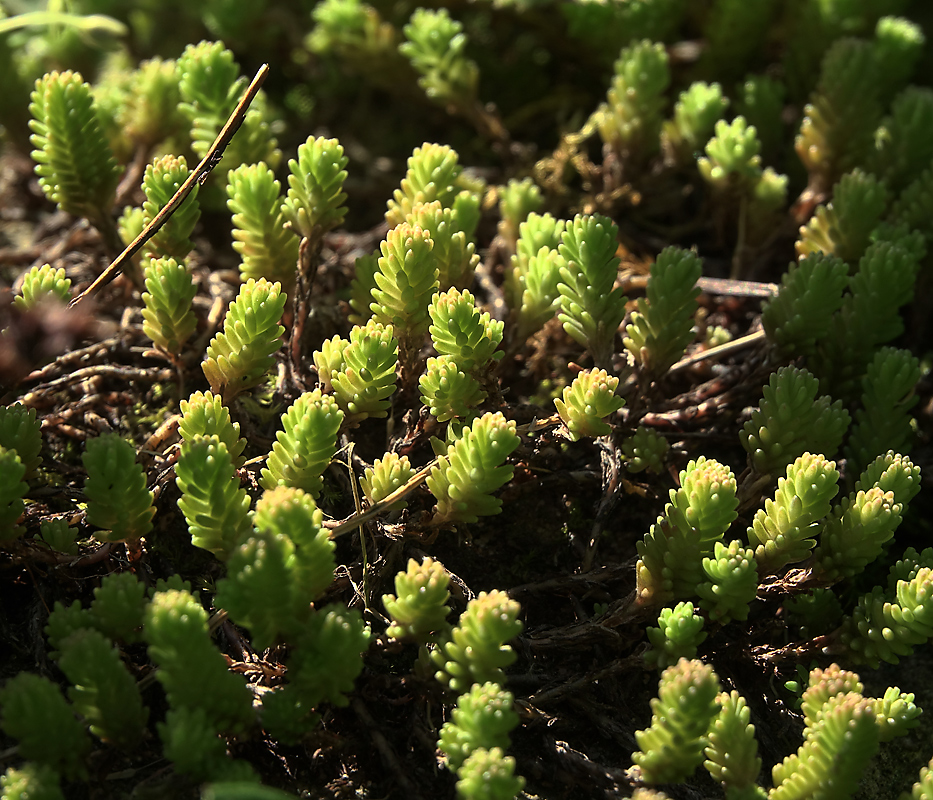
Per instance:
(239,356)
(587,402)
(215,507)
(591,309)
(118,500)
(305,445)
(463,479)
(43,284)
(476,651)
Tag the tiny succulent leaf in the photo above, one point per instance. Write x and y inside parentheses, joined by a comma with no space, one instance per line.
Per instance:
(517,199)
(119,606)
(843,112)
(670,563)
(64,621)
(102,690)
(843,227)
(328,656)
(591,309)
(733,582)
(361,288)
(434,173)
(435,45)
(210,87)
(891,472)
(823,684)
(869,316)
(385,476)
(883,422)
(923,788)
(356,32)
(896,713)
(36,714)
(856,533)
(405,281)
(162,179)
(330,360)
(32,782)
(630,119)
(902,148)
(536,232)
(540,297)
(645,449)
(151,114)
(886,627)
(280,569)
(846,737)
(897,45)
(488,775)
(267,249)
(365,380)
(454,253)
(448,391)
(293,513)
(21,431)
(58,535)
(696,112)
(193,744)
(679,633)
(459,330)
(732,163)
(732,752)
(192,670)
(761,101)
(800,314)
(784,531)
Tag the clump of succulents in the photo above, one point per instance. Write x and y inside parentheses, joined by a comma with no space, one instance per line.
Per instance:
(463,395)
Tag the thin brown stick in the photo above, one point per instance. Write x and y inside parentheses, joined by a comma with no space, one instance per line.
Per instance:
(198,175)
(720,350)
(339,528)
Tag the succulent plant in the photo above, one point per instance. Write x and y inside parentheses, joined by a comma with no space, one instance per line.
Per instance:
(472,468)
(42,283)
(591,309)
(587,401)
(74,162)
(305,445)
(476,651)
(118,500)
(239,356)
